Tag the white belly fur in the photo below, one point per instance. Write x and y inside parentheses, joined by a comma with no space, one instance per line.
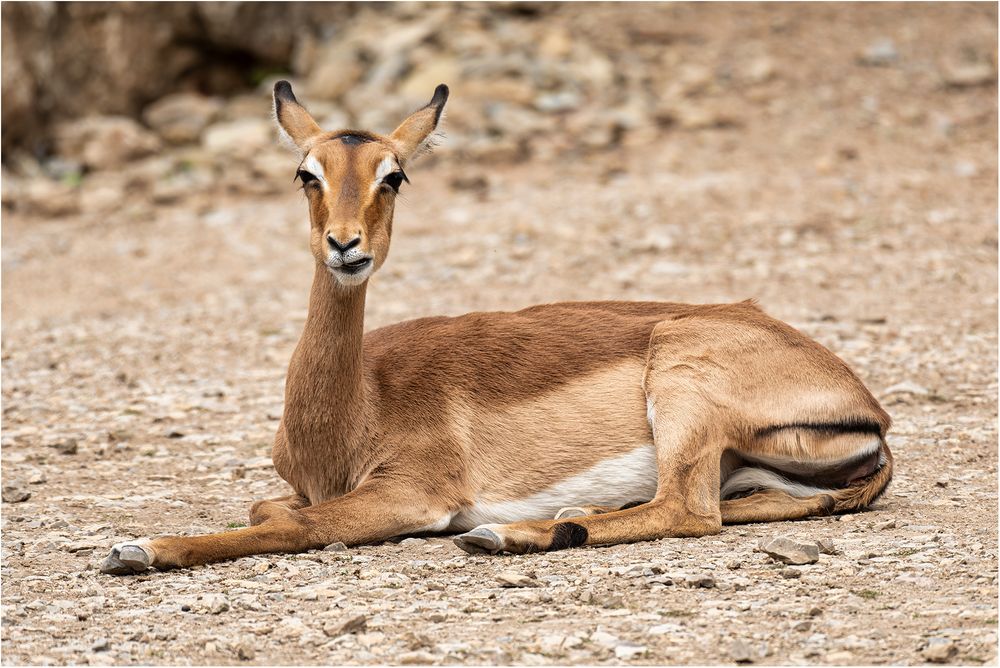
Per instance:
(613,482)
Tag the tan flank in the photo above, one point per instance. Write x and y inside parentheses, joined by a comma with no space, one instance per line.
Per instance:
(530,430)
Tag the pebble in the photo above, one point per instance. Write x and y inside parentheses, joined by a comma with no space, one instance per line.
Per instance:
(881,52)
(939,650)
(789,551)
(417,659)
(827,546)
(842,656)
(214,603)
(356,624)
(68,446)
(740,652)
(627,651)
(245,651)
(14,492)
(100,645)
(513,579)
(604,639)
(335,547)
(412,542)
(906,387)
(969,75)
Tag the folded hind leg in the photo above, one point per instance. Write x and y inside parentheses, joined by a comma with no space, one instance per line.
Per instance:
(774,506)
(686,503)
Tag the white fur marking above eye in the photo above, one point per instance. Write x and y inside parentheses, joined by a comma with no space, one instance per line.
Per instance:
(384,169)
(313,166)
(612,482)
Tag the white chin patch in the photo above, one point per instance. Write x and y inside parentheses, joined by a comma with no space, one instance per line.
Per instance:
(351,280)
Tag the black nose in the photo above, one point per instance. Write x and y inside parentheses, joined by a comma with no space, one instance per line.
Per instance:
(342,248)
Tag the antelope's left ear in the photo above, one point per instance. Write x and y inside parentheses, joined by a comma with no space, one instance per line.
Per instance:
(413,133)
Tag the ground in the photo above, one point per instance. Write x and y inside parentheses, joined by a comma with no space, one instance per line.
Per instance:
(144,355)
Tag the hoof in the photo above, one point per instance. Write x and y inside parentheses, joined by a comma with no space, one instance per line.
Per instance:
(127,559)
(480,541)
(566,513)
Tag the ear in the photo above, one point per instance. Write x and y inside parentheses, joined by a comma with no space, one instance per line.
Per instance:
(413,133)
(296,125)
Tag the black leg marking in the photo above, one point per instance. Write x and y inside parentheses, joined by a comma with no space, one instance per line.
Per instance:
(632,504)
(567,534)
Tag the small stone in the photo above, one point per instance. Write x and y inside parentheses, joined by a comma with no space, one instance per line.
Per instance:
(335,547)
(791,573)
(969,75)
(354,625)
(629,651)
(803,625)
(890,524)
(512,579)
(740,652)
(80,547)
(827,546)
(703,580)
(604,639)
(939,650)
(880,53)
(215,603)
(941,483)
(416,659)
(100,645)
(245,652)
(14,492)
(906,387)
(788,551)
(66,447)
(734,565)
(36,477)
(842,656)
(412,542)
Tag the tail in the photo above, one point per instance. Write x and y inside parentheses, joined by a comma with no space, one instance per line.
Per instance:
(848,492)
(864,492)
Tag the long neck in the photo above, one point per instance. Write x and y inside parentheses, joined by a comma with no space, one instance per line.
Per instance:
(325,404)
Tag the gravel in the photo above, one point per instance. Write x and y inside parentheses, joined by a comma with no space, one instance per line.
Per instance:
(834,202)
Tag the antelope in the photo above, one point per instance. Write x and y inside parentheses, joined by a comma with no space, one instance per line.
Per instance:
(557,426)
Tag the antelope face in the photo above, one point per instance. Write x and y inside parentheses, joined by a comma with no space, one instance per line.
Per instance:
(351,179)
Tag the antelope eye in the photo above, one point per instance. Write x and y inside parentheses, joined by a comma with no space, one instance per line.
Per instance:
(394,180)
(305,177)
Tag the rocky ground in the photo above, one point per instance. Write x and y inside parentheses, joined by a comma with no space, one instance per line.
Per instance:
(837,163)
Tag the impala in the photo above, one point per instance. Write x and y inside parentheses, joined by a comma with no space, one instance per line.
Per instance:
(560,425)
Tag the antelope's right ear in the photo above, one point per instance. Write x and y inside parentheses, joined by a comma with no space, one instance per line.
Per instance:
(296,125)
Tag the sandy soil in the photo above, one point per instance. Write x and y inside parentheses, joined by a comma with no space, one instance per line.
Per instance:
(144,356)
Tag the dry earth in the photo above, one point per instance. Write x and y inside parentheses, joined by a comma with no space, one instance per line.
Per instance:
(144,354)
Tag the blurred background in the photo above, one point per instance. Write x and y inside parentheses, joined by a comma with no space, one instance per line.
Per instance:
(836,161)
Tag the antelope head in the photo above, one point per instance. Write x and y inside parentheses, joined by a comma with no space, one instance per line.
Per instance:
(351,179)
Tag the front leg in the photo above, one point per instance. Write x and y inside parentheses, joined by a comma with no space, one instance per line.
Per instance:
(377,510)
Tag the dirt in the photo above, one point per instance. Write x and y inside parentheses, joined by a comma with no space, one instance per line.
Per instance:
(144,354)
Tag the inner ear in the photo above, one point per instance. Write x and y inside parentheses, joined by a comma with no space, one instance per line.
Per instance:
(295,123)
(414,132)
